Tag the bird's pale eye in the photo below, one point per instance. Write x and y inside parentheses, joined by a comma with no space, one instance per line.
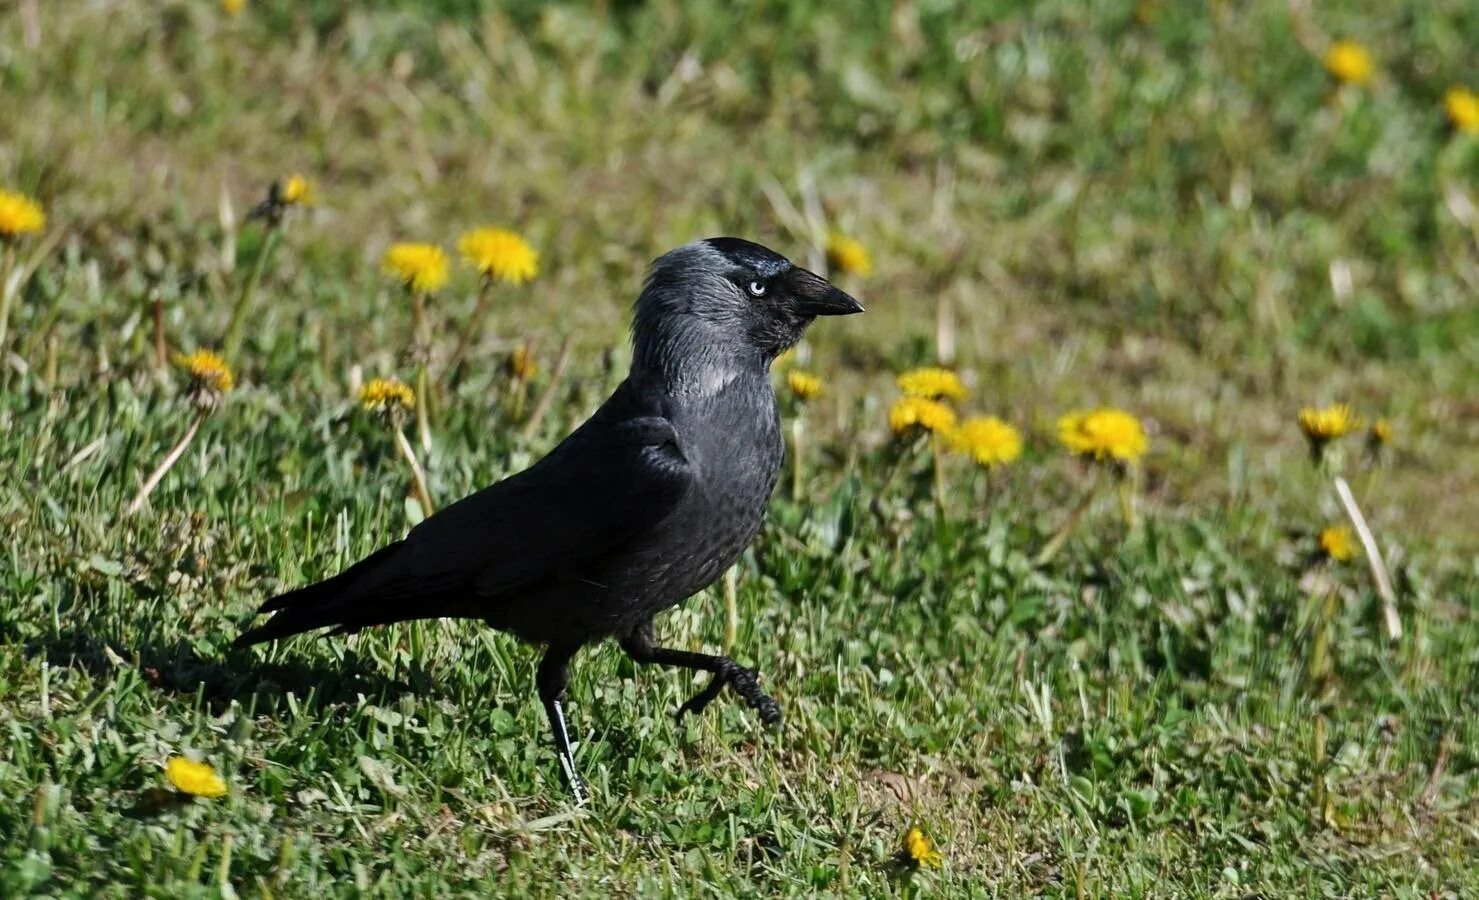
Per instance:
(757,289)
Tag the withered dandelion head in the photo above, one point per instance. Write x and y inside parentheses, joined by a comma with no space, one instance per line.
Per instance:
(295,190)
(1104,435)
(912,414)
(1462,105)
(197,779)
(210,377)
(499,255)
(521,363)
(19,215)
(1349,62)
(1380,434)
(387,396)
(931,383)
(988,440)
(848,256)
(1337,543)
(918,850)
(803,385)
(420,267)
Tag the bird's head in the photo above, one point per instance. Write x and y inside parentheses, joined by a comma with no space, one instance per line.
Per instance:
(727,296)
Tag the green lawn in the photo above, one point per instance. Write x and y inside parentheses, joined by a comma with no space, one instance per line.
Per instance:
(1168,208)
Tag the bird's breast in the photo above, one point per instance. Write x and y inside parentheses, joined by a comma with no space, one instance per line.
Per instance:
(736,451)
(735,448)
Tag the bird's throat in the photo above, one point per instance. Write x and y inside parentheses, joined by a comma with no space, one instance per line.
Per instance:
(692,364)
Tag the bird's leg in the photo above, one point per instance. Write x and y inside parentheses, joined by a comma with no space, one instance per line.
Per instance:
(552,679)
(745,682)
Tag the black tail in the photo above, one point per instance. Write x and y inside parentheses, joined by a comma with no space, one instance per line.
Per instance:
(345,601)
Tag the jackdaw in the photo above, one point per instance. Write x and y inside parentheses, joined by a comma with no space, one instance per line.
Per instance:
(638,509)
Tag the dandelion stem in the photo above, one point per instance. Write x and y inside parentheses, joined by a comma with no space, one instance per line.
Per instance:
(520,387)
(423,402)
(1060,537)
(1373,559)
(165,465)
(731,608)
(937,471)
(7,266)
(231,344)
(546,396)
(421,344)
(901,455)
(1127,501)
(418,475)
(470,330)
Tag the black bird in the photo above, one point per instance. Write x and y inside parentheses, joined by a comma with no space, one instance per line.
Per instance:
(644,505)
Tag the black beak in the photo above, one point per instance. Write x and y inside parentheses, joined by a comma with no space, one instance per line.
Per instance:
(815,295)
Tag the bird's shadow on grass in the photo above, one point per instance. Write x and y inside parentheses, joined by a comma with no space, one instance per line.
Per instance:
(231,675)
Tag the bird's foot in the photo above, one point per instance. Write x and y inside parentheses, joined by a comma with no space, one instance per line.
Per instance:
(700,701)
(745,682)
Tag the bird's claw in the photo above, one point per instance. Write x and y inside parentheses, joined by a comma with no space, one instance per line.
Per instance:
(746,683)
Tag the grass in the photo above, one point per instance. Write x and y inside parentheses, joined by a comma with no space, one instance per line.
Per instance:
(1157,206)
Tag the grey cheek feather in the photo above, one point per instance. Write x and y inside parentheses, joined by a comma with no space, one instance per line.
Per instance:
(689,324)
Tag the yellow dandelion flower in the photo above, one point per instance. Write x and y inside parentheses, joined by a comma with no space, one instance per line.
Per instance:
(1337,543)
(1104,434)
(232,7)
(910,413)
(1463,108)
(1349,62)
(207,370)
(521,363)
(19,215)
(919,850)
(499,254)
(988,440)
(421,267)
(297,191)
(932,383)
(195,778)
(848,256)
(386,395)
(803,385)
(1322,425)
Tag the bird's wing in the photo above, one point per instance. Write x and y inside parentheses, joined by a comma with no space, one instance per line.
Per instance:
(606,484)
(616,477)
